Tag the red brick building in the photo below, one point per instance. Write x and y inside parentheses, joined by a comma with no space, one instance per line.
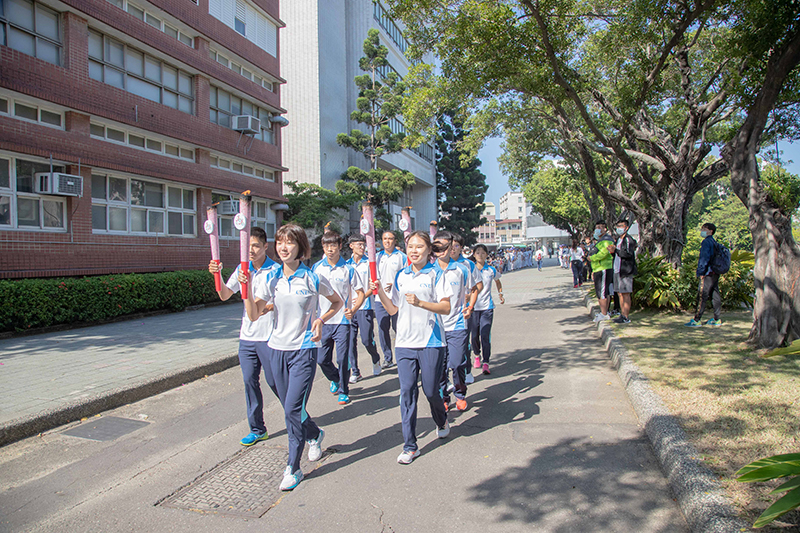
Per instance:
(137,98)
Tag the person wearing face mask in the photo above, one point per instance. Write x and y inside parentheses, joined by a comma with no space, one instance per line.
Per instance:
(624,269)
(602,260)
(709,280)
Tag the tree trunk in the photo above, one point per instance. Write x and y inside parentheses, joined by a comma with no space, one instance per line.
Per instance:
(663,234)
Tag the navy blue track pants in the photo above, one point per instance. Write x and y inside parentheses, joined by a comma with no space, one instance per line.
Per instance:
(363,321)
(253,356)
(294,374)
(385,321)
(413,363)
(457,361)
(338,334)
(481,329)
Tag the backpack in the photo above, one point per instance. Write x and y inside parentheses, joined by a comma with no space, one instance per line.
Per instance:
(721,262)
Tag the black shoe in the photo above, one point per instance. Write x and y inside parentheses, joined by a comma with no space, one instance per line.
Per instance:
(622,320)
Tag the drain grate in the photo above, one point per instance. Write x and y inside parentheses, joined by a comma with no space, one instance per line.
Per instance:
(246,485)
(105,428)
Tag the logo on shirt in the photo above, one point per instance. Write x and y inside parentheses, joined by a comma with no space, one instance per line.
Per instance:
(453,283)
(302,292)
(425,285)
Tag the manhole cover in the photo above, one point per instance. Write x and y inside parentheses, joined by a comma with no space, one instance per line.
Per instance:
(105,428)
(246,485)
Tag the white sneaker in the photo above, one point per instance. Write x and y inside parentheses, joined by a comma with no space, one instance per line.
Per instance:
(376,369)
(354,378)
(406,457)
(450,387)
(290,480)
(469,379)
(443,432)
(599,317)
(315,447)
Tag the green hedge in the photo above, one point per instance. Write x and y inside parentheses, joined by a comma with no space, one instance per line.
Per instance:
(42,302)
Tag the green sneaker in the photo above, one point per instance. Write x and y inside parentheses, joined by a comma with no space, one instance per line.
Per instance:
(714,322)
(252,438)
(693,324)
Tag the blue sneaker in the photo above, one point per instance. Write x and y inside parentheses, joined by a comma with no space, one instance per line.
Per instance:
(714,322)
(693,324)
(334,387)
(344,399)
(252,438)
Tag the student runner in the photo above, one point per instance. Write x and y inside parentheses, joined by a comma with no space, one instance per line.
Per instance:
(294,292)
(390,261)
(456,333)
(475,285)
(483,316)
(253,337)
(362,316)
(420,297)
(336,330)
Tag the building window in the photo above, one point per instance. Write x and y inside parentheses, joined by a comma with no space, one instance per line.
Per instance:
(224,105)
(387,23)
(260,216)
(114,134)
(155,21)
(117,64)
(248,21)
(31,28)
(31,111)
(139,206)
(20,206)
(241,167)
(242,70)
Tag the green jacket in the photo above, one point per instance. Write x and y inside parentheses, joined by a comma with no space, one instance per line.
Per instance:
(602,259)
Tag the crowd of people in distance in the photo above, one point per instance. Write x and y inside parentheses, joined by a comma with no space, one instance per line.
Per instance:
(438,301)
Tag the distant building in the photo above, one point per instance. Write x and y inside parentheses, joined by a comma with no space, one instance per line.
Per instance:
(510,232)
(536,232)
(487,232)
(321,47)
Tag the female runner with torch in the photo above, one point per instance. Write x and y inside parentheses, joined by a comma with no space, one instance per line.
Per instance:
(253,335)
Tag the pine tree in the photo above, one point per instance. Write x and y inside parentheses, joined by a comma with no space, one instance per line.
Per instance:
(378,103)
(462,189)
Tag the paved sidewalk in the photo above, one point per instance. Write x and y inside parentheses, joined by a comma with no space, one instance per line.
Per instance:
(58,377)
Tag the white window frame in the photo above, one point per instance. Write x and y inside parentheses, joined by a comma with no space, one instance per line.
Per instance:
(14,195)
(6,25)
(225,162)
(267,133)
(127,75)
(269,222)
(148,139)
(246,71)
(10,110)
(129,207)
(162,24)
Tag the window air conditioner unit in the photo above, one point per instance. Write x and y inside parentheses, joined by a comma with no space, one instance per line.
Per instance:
(228,207)
(246,124)
(57,183)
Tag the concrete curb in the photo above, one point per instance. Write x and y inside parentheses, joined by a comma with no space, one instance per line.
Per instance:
(701,498)
(28,426)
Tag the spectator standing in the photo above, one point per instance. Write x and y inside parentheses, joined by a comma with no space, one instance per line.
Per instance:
(539,256)
(709,280)
(624,270)
(576,262)
(602,260)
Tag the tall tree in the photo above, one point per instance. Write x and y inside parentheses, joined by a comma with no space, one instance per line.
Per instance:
(767,39)
(461,186)
(636,86)
(378,104)
(312,206)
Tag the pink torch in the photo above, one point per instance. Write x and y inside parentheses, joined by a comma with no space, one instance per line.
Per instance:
(434,228)
(210,227)
(368,231)
(405,224)
(242,222)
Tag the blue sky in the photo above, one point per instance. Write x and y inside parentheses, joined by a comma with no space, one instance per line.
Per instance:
(498,183)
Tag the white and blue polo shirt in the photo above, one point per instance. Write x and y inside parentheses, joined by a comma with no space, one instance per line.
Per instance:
(473,271)
(388,266)
(457,276)
(362,269)
(484,301)
(261,329)
(416,327)
(344,280)
(296,301)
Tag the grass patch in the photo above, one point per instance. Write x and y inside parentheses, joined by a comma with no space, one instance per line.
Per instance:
(735,406)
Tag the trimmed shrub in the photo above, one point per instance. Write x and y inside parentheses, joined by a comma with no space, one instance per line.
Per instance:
(42,302)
